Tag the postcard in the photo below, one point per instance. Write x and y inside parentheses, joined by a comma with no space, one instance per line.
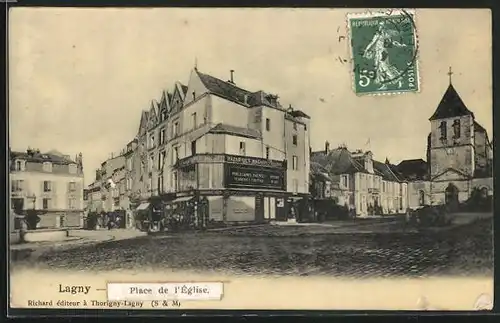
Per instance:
(250,159)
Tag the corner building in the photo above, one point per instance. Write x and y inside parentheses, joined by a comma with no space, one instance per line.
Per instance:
(226,154)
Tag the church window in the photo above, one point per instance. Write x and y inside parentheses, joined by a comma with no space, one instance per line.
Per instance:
(442,128)
(456,129)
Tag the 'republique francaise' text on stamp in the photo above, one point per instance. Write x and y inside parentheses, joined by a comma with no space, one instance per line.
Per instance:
(384,52)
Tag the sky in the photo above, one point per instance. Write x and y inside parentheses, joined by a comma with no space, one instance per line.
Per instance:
(79,78)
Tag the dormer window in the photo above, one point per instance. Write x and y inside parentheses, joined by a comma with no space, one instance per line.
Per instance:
(456,129)
(47,167)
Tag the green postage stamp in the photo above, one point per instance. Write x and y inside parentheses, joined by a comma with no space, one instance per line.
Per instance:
(384,51)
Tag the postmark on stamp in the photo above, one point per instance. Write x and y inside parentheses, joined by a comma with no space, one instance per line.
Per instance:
(384,51)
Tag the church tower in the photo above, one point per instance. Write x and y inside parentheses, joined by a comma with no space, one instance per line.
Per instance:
(451,144)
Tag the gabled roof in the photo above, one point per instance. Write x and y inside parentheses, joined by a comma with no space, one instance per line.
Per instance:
(164,102)
(413,169)
(232,92)
(224,89)
(153,113)
(144,121)
(452,170)
(337,161)
(387,172)
(184,88)
(451,105)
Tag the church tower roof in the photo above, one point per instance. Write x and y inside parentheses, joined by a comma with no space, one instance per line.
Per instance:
(451,105)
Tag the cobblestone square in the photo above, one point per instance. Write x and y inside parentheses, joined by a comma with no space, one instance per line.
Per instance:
(464,250)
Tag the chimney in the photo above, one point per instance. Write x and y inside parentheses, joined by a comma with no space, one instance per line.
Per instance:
(327,147)
(232,76)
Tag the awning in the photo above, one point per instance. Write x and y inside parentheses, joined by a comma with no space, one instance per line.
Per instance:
(182,199)
(142,206)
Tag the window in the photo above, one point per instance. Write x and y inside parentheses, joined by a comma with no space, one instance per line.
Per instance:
(160,184)
(158,166)
(72,186)
(294,140)
(151,141)
(456,129)
(162,136)
(305,127)
(129,164)
(72,203)
(193,147)
(175,155)
(421,198)
(195,122)
(150,184)
(17,185)
(174,180)
(268,124)
(267,152)
(46,203)
(151,163)
(163,115)
(294,163)
(442,128)
(176,129)
(295,185)
(47,186)
(72,168)
(142,166)
(47,167)
(161,160)
(242,148)
(295,126)
(344,181)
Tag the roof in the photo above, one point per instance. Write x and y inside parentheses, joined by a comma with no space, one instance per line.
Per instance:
(37,157)
(337,161)
(233,130)
(386,170)
(413,169)
(232,92)
(451,105)
(184,88)
(299,114)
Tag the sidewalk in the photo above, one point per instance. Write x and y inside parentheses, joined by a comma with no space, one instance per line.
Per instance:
(80,237)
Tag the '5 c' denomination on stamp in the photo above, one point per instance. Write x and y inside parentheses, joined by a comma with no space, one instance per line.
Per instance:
(384,52)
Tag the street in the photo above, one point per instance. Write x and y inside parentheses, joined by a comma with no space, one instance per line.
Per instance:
(464,250)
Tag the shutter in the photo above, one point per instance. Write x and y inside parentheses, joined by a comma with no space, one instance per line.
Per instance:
(53,196)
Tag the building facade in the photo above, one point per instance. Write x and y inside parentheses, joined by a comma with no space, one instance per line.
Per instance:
(218,151)
(49,182)
(459,157)
(359,182)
